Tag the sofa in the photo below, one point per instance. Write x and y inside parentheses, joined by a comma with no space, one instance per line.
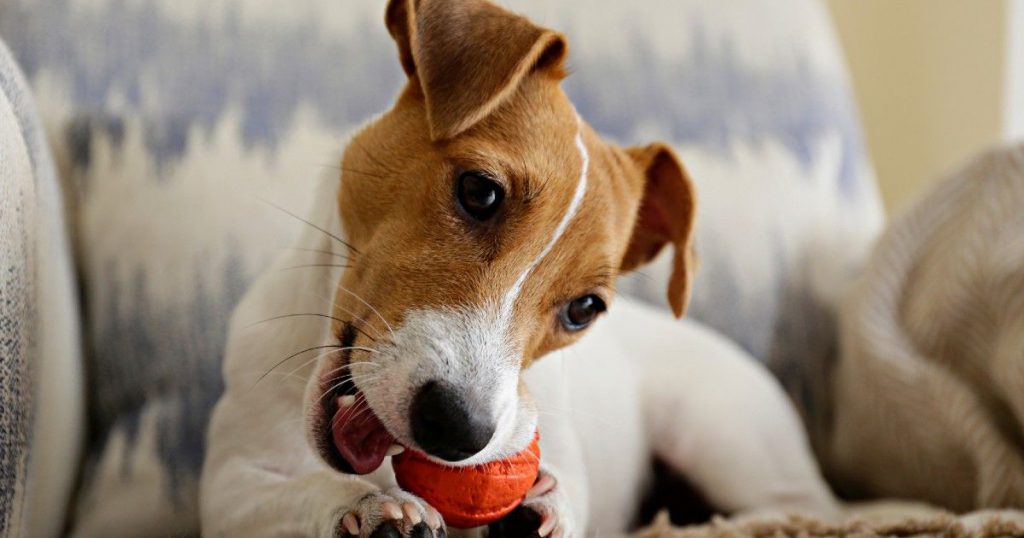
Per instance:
(141,138)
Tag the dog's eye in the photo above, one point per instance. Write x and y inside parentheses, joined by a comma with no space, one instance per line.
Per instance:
(479,195)
(580,312)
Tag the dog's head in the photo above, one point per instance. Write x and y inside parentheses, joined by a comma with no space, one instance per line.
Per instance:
(490,223)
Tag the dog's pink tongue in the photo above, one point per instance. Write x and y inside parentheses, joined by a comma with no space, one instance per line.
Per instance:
(359,436)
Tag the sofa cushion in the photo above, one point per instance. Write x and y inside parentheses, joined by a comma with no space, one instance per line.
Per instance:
(176,118)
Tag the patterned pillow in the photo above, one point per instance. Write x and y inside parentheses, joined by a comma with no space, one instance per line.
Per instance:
(38,325)
(177,117)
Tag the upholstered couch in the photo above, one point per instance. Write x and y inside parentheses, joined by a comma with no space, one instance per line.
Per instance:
(170,120)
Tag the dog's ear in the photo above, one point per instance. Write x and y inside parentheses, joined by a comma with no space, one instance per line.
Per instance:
(468,56)
(665,216)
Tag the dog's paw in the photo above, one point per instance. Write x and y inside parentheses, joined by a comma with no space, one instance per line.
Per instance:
(544,513)
(392,514)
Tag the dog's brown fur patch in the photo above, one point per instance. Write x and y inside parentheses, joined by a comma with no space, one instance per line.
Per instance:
(484,94)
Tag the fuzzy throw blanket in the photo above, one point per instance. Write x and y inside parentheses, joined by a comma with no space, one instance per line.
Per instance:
(929,389)
(880,520)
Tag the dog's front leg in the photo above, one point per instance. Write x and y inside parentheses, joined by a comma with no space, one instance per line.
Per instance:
(255,484)
(254,501)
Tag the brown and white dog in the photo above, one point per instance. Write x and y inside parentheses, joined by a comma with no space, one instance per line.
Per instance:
(478,226)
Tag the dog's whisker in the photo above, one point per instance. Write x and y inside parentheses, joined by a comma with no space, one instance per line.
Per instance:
(330,301)
(368,305)
(341,380)
(321,251)
(335,306)
(349,365)
(353,376)
(318,357)
(308,265)
(365,321)
(362,414)
(364,379)
(329,234)
(286,374)
(303,379)
(306,314)
(292,356)
(307,350)
(330,390)
(361,319)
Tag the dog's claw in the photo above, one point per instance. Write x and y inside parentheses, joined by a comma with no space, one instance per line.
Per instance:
(412,513)
(544,484)
(351,524)
(547,524)
(391,510)
(392,514)
(432,519)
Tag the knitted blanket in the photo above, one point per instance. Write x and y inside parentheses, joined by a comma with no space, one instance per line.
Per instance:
(929,388)
(895,520)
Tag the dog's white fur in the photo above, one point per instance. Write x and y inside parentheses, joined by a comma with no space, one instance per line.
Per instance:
(639,384)
(574,205)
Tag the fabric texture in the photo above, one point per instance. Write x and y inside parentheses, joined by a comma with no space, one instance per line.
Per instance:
(17,313)
(39,425)
(872,521)
(929,390)
(176,118)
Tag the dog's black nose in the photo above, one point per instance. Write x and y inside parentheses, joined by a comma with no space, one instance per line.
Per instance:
(444,426)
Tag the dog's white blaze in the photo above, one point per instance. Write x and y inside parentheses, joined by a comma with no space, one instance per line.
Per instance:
(574,205)
(470,350)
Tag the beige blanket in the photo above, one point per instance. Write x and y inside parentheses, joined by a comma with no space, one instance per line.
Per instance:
(896,520)
(929,389)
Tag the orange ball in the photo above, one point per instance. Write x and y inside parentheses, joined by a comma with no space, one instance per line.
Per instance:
(470,496)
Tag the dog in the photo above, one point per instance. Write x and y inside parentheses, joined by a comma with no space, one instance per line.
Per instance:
(454,288)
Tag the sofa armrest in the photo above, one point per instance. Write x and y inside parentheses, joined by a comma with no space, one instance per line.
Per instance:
(41,427)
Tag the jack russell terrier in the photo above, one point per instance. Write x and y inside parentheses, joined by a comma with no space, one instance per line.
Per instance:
(484,224)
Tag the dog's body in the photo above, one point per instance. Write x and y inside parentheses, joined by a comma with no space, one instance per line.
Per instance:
(484,223)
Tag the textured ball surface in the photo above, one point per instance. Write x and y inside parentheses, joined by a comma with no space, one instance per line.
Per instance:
(469,496)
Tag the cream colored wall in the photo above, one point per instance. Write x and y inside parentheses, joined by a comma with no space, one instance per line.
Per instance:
(929,79)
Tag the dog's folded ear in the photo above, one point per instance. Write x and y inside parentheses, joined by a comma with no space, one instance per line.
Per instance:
(666,215)
(468,56)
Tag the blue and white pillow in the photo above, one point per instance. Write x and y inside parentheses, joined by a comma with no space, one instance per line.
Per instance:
(175,118)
